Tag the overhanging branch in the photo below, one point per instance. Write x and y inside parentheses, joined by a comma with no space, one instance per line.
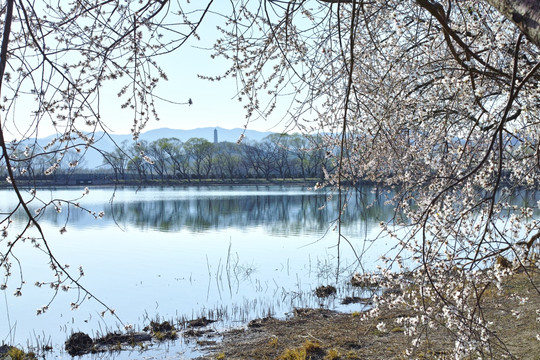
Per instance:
(524,13)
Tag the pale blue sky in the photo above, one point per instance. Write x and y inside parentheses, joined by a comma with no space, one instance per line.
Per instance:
(214,103)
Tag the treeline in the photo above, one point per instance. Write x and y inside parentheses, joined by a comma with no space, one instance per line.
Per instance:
(278,156)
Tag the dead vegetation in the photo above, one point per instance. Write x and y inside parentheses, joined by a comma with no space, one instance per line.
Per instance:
(320,334)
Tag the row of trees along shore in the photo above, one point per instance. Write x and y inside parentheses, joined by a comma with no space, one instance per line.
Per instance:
(277,156)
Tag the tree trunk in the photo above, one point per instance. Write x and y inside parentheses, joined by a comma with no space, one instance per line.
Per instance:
(524,13)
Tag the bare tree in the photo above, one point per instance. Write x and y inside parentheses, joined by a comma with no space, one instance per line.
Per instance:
(201,153)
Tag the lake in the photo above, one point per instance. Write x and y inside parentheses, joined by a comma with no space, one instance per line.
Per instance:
(229,253)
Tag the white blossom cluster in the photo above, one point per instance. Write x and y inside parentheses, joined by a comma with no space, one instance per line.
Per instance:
(437,101)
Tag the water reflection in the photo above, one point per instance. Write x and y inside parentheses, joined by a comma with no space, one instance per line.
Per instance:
(283,211)
(282,214)
(173,252)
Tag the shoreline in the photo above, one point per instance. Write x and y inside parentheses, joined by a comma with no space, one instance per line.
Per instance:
(323,334)
(166,183)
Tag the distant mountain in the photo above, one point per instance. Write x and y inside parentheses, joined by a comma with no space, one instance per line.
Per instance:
(94,159)
(207,133)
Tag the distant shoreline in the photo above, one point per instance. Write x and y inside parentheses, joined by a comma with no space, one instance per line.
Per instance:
(162,183)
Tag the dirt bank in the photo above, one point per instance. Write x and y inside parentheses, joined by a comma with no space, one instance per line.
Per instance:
(323,334)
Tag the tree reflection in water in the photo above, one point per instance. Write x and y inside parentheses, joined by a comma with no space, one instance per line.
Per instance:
(280,210)
(287,214)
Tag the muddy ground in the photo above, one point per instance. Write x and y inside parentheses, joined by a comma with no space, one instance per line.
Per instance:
(323,334)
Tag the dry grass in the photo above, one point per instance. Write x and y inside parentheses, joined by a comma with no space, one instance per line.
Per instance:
(323,334)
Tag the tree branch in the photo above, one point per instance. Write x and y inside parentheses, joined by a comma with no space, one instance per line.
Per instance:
(524,13)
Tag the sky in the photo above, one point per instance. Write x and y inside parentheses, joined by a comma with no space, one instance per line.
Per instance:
(213,103)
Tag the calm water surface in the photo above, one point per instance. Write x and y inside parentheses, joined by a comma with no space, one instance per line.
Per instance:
(232,253)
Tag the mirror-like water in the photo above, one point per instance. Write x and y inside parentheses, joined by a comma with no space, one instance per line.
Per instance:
(235,253)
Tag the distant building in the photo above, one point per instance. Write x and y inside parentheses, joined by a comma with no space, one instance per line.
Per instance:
(215,136)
